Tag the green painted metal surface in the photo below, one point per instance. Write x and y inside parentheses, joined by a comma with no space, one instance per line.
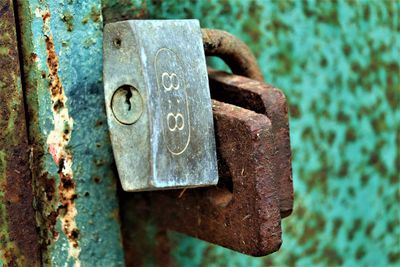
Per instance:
(73,171)
(338,64)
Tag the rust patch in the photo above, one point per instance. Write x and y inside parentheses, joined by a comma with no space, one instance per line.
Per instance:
(68,20)
(97,179)
(19,199)
(57,142)
(95,14)
(19,242)
(47,221)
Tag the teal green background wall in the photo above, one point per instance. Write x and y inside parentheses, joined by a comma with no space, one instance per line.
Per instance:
(338,64)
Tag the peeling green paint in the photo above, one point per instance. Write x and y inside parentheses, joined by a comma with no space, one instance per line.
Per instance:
(75,184)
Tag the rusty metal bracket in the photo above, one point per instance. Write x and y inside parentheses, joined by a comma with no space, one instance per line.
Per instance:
(264,99)
(242,212)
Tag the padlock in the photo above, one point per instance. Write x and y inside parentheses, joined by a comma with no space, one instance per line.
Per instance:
(158,104)
(255,189)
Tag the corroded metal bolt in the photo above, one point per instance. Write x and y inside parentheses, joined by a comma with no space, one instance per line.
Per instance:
(127,104)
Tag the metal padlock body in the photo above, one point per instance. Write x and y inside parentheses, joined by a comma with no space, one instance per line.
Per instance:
(164,136)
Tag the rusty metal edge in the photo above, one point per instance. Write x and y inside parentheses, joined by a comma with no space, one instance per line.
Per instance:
(22,245)
(264,99)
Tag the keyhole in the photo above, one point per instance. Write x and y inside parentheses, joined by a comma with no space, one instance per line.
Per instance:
(128,98)
(127,104)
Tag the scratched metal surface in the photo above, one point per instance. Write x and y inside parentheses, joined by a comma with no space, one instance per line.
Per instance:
(75,186)
(175,128)
(338,65)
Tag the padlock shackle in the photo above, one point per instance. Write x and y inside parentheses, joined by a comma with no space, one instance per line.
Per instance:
(234,52)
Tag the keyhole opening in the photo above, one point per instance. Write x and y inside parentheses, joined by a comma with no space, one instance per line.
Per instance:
(128,98)
(127,104)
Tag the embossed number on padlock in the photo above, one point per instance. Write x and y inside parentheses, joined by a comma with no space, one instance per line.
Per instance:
(158,104)
(172,88)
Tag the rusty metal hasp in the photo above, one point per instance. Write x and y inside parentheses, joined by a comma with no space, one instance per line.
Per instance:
(267,100)
(255,189)
(242,212)
(158,104)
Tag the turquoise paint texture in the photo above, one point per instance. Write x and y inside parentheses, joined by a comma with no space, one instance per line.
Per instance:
(338,64)
(76,188)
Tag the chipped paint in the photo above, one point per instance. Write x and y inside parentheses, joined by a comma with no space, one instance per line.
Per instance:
(57,141)
(74,180)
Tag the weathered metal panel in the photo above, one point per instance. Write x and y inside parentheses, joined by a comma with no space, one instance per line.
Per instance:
(19,243)
(75,186)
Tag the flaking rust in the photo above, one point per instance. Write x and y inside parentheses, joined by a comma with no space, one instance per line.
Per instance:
(57,142)
(19,242)
(93,179)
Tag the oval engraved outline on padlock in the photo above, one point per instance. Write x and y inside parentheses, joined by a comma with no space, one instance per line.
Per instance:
(169,84)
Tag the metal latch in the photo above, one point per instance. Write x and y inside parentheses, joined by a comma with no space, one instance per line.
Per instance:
(158,104)
(244,210)
(255,190)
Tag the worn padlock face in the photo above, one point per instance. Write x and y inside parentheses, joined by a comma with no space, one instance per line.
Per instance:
(158,104)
